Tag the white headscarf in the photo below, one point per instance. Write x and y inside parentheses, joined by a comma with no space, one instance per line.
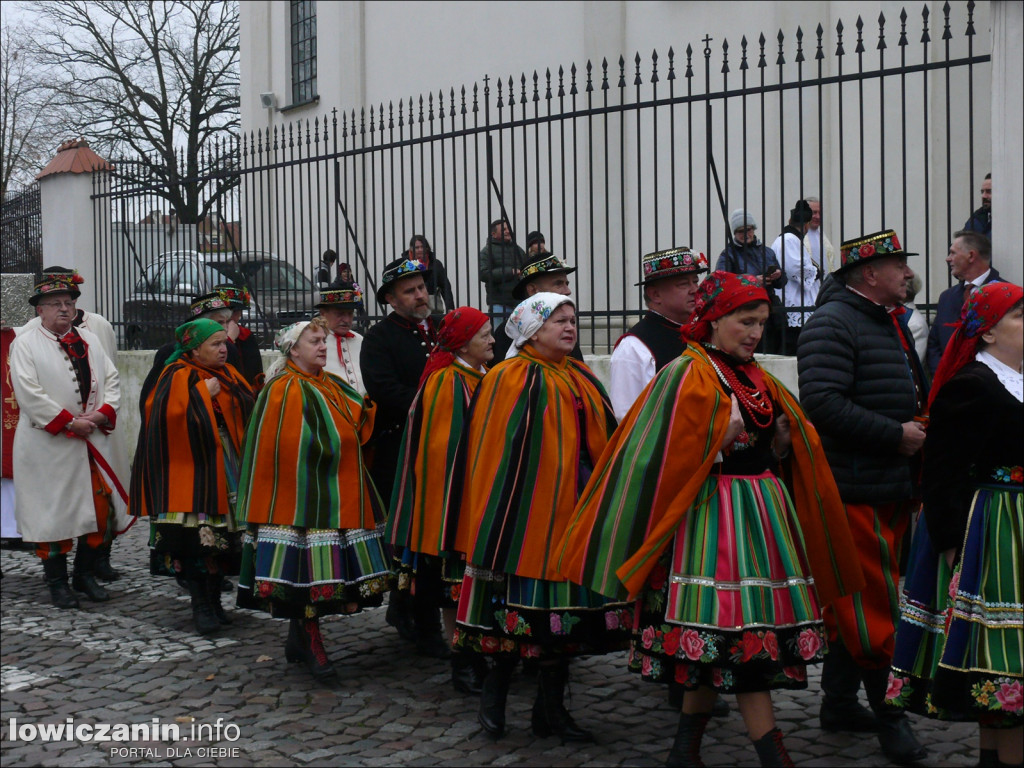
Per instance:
(284,341)
(527,318)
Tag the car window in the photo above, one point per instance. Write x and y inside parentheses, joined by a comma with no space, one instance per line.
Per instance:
(188,280)
(267,275)
(148,278)
(167,279)
(225,272)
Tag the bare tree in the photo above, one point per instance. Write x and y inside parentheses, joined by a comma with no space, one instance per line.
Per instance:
(158,78)
(26,135)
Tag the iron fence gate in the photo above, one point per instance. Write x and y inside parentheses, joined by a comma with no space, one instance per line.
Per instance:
(21,232)
(880,119)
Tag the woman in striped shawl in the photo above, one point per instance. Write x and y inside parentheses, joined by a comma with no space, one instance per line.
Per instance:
(687,510)
(315,522)
(536,426)
(185,475)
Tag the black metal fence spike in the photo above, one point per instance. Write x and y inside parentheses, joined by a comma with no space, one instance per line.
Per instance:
(637,80)
(925,36)
(903,29)
(689,61)
(970,18)
(725,56)
(572,80)
(860,36)
(819,54)
(946,33)
(707,47)
(781,59)
(762,61)
(522,92)
(799,45)
(654,67)
(881,32)
(622,72)
(743,54)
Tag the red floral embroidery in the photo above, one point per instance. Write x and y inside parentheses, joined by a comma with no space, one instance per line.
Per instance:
(751,646)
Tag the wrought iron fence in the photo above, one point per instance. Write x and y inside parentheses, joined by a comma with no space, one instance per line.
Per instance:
(21,232)
(881,120)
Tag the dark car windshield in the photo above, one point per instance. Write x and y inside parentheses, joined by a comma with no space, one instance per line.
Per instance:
(264,275)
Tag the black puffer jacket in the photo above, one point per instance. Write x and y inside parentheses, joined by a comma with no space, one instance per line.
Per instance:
(857,388)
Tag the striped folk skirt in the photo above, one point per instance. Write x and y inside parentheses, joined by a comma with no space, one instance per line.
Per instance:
(960,642)
(732,604)
(304,573)
(533,618)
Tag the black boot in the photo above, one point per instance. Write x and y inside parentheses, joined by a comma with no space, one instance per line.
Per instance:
(840,681)
(399,614)
(549,713)
(102,567)
(55,570)
(894,734)
(493,696)
(988,758)
(213,592)
(84,577)
(202,614)
(430,640)
(305,643)
(771,751)
(686,747)
(466,676)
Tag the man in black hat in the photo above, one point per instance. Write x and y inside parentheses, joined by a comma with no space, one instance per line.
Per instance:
(338,307)
(670,280)
(863,387)
(544,275)
(393,355)
(803,272)
(69,468)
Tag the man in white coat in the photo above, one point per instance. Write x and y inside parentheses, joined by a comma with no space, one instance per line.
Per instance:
(104,331)
(338,307)
(70,472)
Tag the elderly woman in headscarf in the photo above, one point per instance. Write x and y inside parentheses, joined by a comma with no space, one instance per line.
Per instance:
(313,546)
(185,475)
(536,426)
(960,640)
(688,512)
(433,432)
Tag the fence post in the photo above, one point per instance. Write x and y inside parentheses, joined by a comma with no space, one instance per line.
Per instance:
(69,225)
(1007,158)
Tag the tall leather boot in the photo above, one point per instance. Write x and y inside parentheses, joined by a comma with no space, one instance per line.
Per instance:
(55,571)
(549,713)
(894,734)
(771,751)
(686,747)
(399,614)
(84,578)
(213,593)
(493,696)
(102,567)
(426,612)
(840,682)
(314,653)
(466,677)
(202,614)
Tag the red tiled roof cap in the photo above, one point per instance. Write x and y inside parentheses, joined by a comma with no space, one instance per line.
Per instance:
(75,157)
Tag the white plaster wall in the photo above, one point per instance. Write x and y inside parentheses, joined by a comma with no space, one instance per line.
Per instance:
(1007,119)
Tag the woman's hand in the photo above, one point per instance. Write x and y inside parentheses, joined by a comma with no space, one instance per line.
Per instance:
(735,422)
(783,435)
(213,385)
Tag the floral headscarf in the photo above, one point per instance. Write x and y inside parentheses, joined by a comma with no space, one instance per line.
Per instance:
(981,312)
(718,295)
(191,334)
(457,328)
(527,318)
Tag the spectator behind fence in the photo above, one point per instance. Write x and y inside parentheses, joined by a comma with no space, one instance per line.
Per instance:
(500,263)
(970,262)
(981,220)
(820,247)
(439,288)
(323,269)
(804,273)
(915,319)
(536,244)
(746,255)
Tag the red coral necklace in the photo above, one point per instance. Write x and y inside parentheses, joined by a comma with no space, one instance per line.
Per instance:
(752,399)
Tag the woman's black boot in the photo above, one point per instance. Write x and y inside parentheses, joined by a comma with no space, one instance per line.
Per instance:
(549,713)
(686,747)
(771,751)
(494,695)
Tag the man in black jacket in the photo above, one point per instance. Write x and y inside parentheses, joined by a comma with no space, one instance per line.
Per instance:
(862,386)
(393,355)
(500,264)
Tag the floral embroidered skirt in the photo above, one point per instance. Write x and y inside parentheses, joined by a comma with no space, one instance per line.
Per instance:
(304,573)
(731,604)
(446,579)
(960,643)
(505,613)
(194,543)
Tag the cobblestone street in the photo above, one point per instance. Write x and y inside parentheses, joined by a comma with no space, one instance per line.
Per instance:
(136,659)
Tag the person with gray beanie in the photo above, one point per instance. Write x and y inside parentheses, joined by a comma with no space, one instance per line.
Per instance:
(746,255)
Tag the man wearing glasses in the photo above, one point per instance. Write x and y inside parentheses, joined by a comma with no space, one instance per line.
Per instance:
(69,470)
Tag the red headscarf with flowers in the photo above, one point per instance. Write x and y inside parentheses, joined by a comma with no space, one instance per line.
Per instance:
(985,307)
(718,295)
(458,327)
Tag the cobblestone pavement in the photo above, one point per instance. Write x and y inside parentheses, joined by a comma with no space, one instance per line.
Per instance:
(137,659)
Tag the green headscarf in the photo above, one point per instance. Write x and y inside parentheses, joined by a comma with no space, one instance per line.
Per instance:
(191,334)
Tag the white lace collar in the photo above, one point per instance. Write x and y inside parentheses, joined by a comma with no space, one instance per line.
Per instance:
(1009,378)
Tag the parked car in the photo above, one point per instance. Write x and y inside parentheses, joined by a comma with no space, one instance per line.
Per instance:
(160,300)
